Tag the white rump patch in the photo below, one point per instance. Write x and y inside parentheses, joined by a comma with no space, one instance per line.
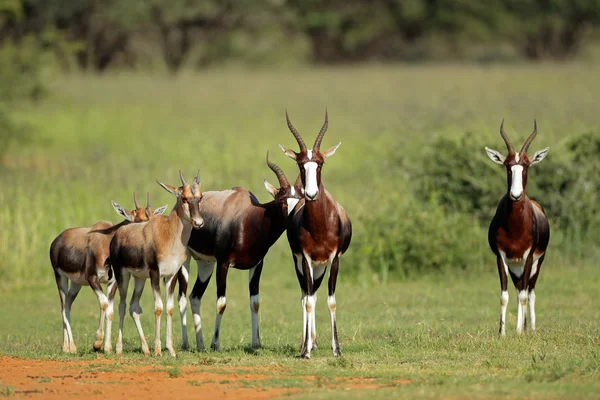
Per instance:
(311,188)
(516,187)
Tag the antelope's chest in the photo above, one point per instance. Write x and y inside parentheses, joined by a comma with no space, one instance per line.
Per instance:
(514,244)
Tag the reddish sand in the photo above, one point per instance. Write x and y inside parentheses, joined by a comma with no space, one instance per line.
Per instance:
(98,379)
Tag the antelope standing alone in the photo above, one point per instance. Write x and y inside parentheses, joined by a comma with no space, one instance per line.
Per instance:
(79,254)
(237,233)
(319,232)
(519,232)
(155,249)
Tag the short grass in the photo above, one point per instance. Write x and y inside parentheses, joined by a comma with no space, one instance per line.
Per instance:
(101,138)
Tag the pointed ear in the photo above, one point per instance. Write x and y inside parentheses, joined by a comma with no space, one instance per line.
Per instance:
(331,151)
(270,188)
(121,211)
(169,188)
(539,155)
(495,156)
(160,210)
(291,154)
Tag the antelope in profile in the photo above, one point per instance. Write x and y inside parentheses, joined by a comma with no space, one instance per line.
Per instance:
(155,250)
(319,232)
(79,254)
(238,232)
(519,232)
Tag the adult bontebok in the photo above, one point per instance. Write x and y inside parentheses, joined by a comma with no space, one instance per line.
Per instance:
(319,232)
(154,250)
(519,232)
(78,255)
(237,233)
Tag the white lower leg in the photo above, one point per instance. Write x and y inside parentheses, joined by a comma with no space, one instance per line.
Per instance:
(254,306)
(195,303)
(532,309)
(108,332)
(182,313)
(310,309)
(103,300)
(158,309)
(503,306)
(122,309)
(71,295)
(62,283)
(304,316)
(170,310)
(335,346)
(313,325)
(221,305)
(522,311)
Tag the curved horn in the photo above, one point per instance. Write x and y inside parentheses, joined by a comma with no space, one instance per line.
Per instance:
(183,182)
(198,177)
(283,182)
(148,200)
(295,132)
(135,201)
(530,138)
(509,145)
(322,132)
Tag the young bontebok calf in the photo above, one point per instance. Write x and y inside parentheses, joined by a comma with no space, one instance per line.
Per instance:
(519,232)
(78,255)
(319,232)
(154,250)
(237,233)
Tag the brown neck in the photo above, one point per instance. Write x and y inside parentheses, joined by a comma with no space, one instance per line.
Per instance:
(517,213)
(316,212)
(180,226)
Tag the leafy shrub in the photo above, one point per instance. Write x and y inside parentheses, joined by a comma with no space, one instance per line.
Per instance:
(410,238)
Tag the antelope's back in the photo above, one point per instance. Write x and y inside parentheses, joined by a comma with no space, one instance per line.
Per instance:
(542,226)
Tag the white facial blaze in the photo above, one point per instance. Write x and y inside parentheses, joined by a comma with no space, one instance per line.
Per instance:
(311,189)
(516,187)
(291,202)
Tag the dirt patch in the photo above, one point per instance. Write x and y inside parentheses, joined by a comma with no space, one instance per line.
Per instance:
(44,379)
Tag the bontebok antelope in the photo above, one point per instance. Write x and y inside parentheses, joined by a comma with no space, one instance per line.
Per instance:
(519,232)
(154,250)
(319,232)
(238,233)
(78,255)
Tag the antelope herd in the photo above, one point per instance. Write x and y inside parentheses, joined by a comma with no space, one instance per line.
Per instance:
(232,229)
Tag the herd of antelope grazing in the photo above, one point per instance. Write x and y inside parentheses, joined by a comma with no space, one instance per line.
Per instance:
(232,229)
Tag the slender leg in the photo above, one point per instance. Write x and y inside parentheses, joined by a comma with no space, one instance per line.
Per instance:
(309,306)
(302,283)
(103,301)
(502,268)
(71,296)
(111,292)
(135,310)
(182,279)
(253,286)
(123,285)
(532,282)
(222,269)
(318,275)
(205,270)
(522,289)
(170,289)
(62,283)
(333,272)
(158,309)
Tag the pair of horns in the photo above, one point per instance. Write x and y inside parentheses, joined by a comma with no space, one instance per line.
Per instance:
(283,182)
(525,147)
(137,204)
(183,182)
(296,134)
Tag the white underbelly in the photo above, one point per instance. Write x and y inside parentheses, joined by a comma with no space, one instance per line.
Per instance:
(200,256)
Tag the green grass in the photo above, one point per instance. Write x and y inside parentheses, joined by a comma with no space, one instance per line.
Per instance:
(101,138)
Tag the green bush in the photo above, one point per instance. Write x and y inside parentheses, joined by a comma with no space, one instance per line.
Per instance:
(409,238)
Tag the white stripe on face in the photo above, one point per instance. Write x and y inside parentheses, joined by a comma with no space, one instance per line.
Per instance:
(516,187)
(311,188)
(309,154)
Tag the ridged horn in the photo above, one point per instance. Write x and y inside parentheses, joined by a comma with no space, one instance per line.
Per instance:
(283,182)
(148,200)
(183,182)
(509,145)
(319,138)
(530,138)
(135,201)
(295,132)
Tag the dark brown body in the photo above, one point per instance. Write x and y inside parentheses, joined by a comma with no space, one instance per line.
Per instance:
(238,232)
